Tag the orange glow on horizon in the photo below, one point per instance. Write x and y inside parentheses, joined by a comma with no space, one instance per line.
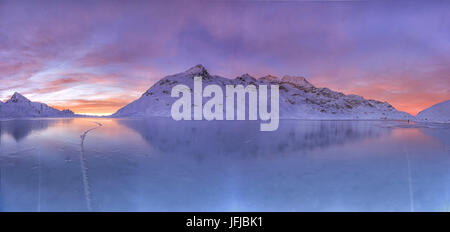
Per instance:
(94,107)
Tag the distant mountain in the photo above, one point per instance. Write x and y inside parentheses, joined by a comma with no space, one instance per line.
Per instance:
(19,106)
(436,113)
(299,99)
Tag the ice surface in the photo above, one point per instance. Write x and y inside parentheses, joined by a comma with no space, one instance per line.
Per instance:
(158,164)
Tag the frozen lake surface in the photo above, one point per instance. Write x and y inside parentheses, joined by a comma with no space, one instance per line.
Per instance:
(163,165)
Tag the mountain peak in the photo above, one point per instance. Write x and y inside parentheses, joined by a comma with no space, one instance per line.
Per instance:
(297,98)
(198,70)
(270,78)
(19,106)
(17,97)
(245,77)
(297,80)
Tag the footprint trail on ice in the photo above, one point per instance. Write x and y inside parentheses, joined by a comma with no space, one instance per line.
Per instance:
(84,169)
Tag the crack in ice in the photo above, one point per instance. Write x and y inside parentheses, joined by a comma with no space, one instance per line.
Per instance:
(87,192)
(410,186)
(39,183)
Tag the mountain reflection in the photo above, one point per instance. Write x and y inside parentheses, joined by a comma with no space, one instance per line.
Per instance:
(21,128)
(439,132)
(245,139)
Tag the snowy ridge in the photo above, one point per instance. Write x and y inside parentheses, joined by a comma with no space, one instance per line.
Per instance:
(299,99)
(436,113)
(19,106)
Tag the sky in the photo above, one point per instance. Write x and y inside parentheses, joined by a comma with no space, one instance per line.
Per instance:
(95,57)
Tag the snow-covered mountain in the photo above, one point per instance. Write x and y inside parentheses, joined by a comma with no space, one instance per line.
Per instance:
(299,99)
(436,113)
(19,106)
